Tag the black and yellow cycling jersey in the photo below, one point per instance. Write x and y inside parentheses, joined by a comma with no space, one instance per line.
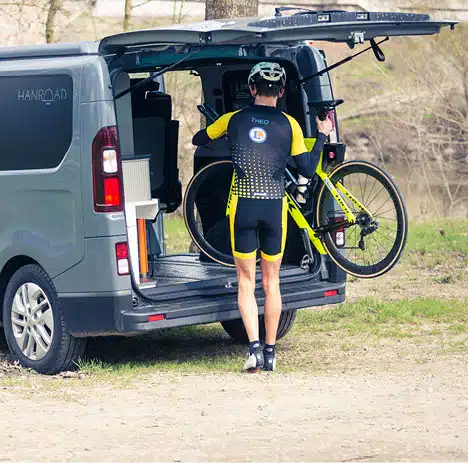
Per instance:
(262,139)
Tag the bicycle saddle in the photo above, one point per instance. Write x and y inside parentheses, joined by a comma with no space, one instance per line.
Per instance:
(323,107)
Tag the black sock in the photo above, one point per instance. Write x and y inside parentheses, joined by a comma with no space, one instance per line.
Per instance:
(254,346)
(269,349)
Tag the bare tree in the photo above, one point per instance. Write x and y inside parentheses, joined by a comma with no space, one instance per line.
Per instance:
(127,23)
(219,9)
(54,7)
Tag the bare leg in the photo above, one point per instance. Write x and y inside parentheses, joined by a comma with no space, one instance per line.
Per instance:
(273,302)
(246,269)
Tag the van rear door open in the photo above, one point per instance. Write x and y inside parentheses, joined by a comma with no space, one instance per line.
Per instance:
(334,26)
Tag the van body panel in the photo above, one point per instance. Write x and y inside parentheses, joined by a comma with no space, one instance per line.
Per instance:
(43,215)
(95,81)
(98,111)
(97,272)
(96,115)
(59,49)
(311,61)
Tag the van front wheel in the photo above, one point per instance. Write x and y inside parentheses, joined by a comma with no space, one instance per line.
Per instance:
(35,330)
(235,328)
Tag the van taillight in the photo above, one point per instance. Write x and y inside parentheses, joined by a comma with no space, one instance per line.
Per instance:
(121,253)
(112,192)
(107,176)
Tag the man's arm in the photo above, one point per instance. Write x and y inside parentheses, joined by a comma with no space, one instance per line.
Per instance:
(215,130)
(305,160)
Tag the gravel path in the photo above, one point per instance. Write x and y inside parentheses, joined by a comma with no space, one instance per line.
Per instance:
(412,412)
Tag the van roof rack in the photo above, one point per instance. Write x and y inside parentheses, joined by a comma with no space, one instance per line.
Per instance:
(279,10)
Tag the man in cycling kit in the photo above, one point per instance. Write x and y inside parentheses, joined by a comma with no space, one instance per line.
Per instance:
(261,140)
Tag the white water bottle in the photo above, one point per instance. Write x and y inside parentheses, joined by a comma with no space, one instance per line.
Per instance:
(301,189)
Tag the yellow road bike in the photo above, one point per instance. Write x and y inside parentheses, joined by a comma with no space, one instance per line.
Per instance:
(353,212)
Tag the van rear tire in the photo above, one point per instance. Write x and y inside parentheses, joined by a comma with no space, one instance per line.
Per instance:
(35,330)
(235,328)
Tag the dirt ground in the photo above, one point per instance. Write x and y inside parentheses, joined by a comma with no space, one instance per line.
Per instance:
(410,412)
(394,402)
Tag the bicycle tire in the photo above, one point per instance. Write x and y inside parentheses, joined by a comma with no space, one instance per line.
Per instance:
(190,218)
(390,260)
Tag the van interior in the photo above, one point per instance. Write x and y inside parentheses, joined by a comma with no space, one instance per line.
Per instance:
(149,136)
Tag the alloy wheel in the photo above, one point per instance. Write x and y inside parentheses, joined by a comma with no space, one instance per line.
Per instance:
(32,321)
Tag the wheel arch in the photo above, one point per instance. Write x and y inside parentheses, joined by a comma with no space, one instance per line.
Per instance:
(8,270)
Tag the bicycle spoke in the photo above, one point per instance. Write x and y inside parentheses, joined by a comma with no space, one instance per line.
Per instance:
(380,246)
(388,239)
(370,193)
(355,252)
(382,213)
(373,199)
(353,233)
(378,243)
(359,178)
(360,254)
(389,218)
(371,250)
(388,199)
(365,184)
(388,228)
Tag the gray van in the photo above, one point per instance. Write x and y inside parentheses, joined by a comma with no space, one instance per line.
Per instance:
(73,114)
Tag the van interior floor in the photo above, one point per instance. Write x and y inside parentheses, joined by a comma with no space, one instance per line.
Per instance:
(187,268)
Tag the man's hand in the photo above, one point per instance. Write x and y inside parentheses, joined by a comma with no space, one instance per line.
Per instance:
(325,126)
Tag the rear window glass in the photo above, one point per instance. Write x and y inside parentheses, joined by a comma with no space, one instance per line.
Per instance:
(36,121)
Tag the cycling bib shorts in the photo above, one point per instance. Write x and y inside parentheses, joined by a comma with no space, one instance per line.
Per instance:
(254,221)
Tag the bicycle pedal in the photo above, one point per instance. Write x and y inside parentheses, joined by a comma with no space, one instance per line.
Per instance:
(305,262)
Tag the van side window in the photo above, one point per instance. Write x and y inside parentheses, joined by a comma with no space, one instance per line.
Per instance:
(36,121)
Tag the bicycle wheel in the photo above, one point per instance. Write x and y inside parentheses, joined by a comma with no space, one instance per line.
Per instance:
(373,245)
(205,217)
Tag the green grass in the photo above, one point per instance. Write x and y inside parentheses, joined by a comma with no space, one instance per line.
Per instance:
(372,316)
(177,236)
(319,340)
(438,236)
(317,335)
(440,246)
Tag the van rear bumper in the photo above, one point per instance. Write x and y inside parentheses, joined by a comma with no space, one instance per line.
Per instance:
(94,314)
(101,315)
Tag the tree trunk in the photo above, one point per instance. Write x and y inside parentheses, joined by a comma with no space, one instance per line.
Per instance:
(54,7)
(220,9)
(127,24)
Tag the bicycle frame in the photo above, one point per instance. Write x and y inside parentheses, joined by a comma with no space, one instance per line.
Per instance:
(294,208)
(351,218)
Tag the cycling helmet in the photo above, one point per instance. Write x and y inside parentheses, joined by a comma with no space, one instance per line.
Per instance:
(271,73)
